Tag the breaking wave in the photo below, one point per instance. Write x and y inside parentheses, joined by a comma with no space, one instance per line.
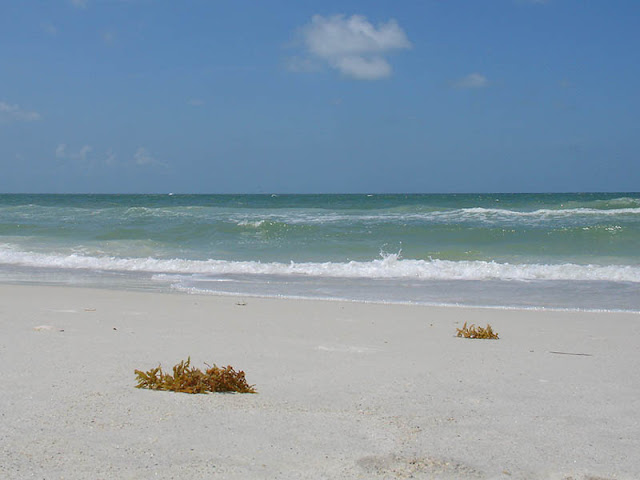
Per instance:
(387,267)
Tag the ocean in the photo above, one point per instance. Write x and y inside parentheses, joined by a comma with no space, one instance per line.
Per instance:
(544,251)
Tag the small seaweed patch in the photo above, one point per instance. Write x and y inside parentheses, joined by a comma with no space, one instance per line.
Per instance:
(189,379)
(477,332)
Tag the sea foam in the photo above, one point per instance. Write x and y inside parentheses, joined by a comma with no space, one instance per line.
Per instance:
(388,266)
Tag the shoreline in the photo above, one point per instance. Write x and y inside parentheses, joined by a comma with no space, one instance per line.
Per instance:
(400,302)
(345,389)
(198,292)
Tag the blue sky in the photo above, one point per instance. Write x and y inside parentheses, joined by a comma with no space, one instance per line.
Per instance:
(307,96)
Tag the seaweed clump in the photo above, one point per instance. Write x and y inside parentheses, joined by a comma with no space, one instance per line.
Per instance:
(189,379)
(477,332)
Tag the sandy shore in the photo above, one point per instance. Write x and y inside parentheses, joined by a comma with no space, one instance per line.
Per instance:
(346,390)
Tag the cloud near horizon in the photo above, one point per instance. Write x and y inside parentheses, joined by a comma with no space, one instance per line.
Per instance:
(14,112)
(351,45)
(82,154)
(87,157)
(144,158)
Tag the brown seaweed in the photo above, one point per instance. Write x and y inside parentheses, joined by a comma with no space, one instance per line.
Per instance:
(189,379)
(477,332)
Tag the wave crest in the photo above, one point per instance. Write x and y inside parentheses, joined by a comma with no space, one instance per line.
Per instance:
(387,267)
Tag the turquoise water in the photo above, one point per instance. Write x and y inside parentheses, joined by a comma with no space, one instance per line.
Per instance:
(523,250)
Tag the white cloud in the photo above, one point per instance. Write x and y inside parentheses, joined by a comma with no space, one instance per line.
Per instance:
(14,112)
(473,80)
(110,160)
(365,68)
(86,156)
(82,154)
(144,157)
(79,3)
(352,45)
(196,102)
(61,151)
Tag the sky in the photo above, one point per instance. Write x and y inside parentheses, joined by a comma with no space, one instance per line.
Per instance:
(300,96)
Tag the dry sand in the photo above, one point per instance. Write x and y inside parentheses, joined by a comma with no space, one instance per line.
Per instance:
(346,390)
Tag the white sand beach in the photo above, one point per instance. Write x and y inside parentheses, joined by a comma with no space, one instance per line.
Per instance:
(345,390)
